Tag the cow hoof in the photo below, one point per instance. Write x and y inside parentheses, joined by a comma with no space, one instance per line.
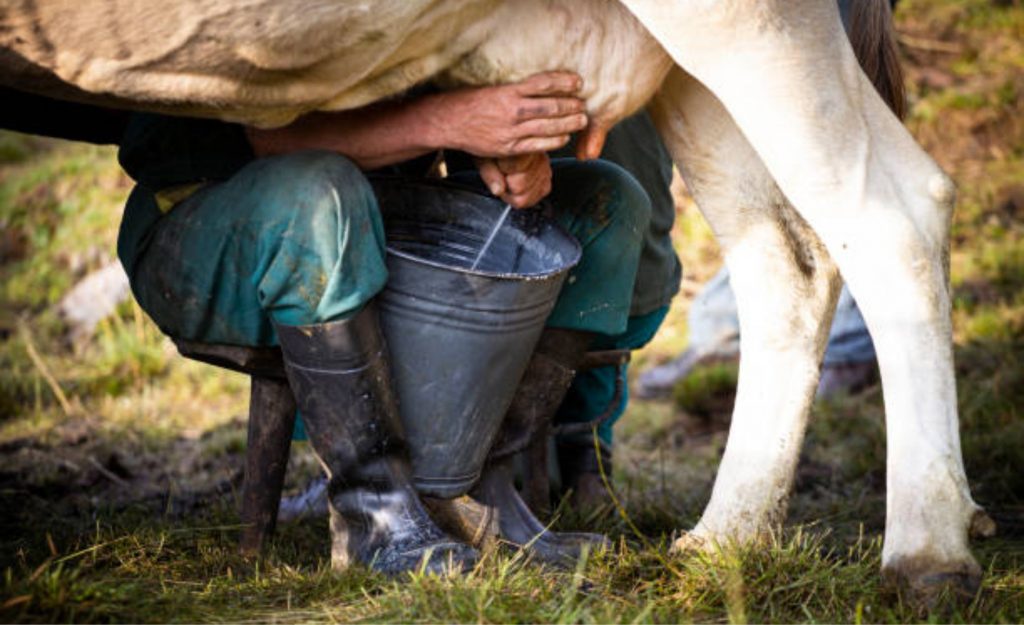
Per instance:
(930,588)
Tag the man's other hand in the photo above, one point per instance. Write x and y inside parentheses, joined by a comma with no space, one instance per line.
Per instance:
(522,181)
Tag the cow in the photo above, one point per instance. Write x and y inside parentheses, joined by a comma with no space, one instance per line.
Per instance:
(797,164)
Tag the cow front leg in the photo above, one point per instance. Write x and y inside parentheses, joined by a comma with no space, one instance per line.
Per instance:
(786,288)
(787,76)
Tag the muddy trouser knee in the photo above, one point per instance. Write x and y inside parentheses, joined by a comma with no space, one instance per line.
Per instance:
(292,240)
(607,211)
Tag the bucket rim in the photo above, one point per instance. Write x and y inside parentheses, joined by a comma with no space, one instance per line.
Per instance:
(572,260)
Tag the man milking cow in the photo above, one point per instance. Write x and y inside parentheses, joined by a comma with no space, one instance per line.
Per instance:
(254,237)
(240,236)
(762,107)
(231,230)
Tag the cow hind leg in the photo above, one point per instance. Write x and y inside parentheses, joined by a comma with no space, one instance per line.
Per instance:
(786,286)
(787,76)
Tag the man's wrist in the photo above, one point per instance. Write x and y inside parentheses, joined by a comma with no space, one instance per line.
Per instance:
(434,112)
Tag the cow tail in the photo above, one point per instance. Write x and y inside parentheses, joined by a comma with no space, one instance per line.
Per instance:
(874,42)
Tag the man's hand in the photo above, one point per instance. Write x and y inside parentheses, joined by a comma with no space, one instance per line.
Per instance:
(522,181)
(535,115)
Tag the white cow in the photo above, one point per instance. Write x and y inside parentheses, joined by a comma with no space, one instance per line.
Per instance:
(793,158)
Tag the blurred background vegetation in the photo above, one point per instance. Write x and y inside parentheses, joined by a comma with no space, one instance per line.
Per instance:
(121,462)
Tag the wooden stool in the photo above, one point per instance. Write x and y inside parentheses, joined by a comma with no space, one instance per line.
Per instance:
(271,421)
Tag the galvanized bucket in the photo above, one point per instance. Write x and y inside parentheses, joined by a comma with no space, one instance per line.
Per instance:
(460,338)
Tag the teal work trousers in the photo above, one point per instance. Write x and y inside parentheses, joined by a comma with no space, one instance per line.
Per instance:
(298,239)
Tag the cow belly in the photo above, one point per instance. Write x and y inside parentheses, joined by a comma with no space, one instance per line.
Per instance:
(256,61)
(265,62)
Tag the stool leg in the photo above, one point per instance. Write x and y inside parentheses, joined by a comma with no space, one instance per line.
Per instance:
(271,420)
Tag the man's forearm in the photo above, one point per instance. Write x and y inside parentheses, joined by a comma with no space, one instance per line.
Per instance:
(536,114)
(374,136)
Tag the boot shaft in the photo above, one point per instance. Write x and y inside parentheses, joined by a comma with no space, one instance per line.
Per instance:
(542,389)
(340,375)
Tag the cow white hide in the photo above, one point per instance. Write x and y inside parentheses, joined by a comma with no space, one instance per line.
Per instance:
(801,170)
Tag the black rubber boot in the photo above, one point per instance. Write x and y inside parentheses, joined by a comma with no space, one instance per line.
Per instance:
(340,375)
(538,395)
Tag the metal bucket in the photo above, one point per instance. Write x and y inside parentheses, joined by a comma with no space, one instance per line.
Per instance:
(460,338)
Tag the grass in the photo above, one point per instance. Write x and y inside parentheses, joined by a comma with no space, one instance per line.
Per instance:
(146,571)
(121,461)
